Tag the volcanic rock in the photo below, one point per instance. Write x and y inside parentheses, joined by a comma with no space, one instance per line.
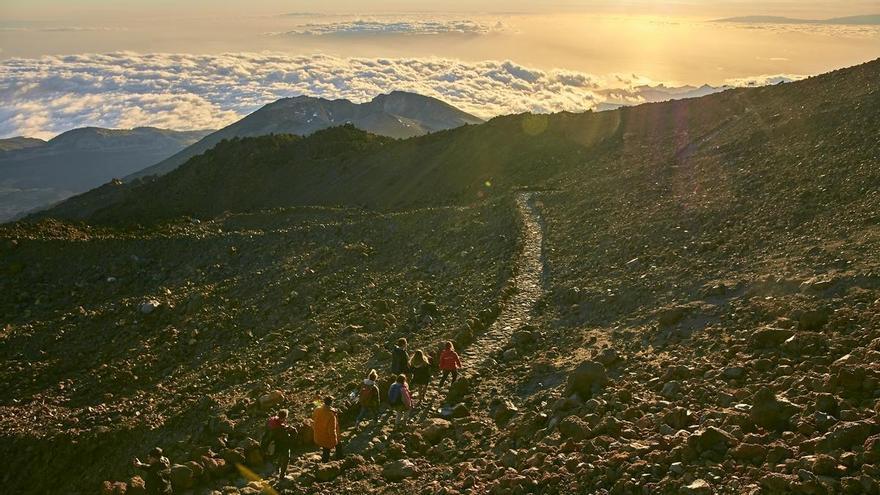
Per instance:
(588,378)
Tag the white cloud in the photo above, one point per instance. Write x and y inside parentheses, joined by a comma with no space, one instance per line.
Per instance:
(423,27)
(42,97)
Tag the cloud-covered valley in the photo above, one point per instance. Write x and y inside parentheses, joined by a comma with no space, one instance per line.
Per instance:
(44,96)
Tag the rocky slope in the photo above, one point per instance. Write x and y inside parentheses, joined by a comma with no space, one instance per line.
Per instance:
(398,114)
(684,299)
(36,173)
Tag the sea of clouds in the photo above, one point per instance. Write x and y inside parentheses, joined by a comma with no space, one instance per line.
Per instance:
(42,97)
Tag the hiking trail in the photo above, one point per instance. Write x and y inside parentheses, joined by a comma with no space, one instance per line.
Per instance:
(516,311)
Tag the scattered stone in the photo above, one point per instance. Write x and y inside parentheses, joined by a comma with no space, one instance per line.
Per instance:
(271,399)
(434,429)
(698,487)
(608,357)
(588,378)
(149,306)
(574,428)
(813,320)
(679,418)
(770,412)
(768,338)
(182,477)
(502,410)
(510,355)
(399,470)
(328,471)
(711,439)
(671,389)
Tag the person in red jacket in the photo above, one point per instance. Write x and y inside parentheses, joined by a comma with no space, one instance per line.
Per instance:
(449,363)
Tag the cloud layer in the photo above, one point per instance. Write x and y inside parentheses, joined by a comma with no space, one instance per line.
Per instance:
(396,27)
(45,96)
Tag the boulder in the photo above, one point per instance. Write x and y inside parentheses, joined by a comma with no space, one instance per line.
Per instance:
(679,418)
(502,410)
(770,412)
(733,373)
(297,354)
(399,470)
(522,338)
(813,320)
(328,471)
(459,390)
(271,399)
(608,357)
(806,344)
(434,429)
(711,439)
(460,410)
(671,389)
(698,487)
(672,315)
(509,355)
(233,456)
(182,477)
(114,488)
(749,452)
(148,306)
(845,435)
(136,486)
(768,338)
(574,428)
(588,378)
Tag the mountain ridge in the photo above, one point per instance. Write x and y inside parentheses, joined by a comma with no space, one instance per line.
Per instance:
(36,173)
(397,114)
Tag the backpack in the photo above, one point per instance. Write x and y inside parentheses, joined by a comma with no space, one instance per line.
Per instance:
(369,394)
(395,395)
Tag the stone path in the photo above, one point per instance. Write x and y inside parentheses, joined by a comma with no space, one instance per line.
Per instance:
(527,282)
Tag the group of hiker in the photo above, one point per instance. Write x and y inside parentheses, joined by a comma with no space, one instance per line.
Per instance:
(280,437)
(417,368)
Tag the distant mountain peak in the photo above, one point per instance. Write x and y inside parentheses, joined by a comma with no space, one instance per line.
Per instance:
(398,114)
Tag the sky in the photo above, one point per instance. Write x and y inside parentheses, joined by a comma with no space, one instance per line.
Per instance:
(127,63)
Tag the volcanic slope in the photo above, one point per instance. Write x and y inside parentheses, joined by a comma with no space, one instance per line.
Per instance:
(707,318)
(297,299)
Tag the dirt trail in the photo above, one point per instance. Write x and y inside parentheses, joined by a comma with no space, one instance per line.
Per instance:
(516,311)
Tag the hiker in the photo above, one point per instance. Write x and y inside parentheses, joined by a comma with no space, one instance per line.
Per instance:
(325,425)
(158,472)
(421,372)
(449,363)
(282,436)
(400,399)
(369,398)
(400,358)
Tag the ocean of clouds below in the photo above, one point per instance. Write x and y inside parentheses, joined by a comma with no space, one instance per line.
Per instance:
(45,96)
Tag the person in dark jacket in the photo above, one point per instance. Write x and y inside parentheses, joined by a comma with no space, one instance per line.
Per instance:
(157,472)
(282,436)
(400,364)
(421,371)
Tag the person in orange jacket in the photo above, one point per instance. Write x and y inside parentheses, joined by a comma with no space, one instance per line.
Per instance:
(325,425)
(449,363)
